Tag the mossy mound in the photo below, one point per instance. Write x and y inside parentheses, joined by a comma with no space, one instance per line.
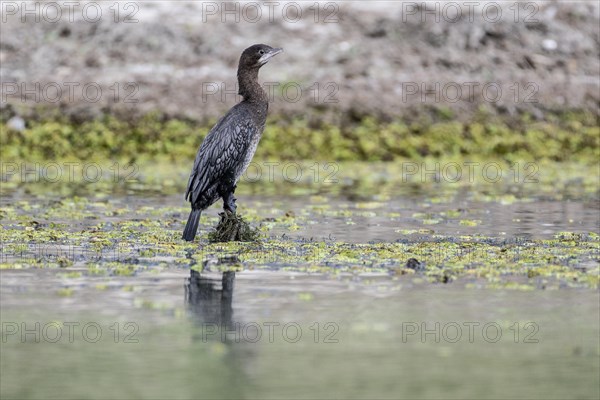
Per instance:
(232,228)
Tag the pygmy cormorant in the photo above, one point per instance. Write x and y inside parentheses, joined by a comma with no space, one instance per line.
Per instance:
(229,147)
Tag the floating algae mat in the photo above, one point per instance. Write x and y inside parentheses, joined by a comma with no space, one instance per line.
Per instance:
(118,238)
(534,225)
(352,274)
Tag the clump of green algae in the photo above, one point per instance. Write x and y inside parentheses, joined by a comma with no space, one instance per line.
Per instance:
(232,228)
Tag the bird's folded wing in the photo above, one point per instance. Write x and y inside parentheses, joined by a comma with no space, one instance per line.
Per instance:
(221,152)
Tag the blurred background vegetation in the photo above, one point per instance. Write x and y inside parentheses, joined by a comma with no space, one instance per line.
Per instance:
(153,137)
(357,68)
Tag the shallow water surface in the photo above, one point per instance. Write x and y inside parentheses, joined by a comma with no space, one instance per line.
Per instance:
(100,298)
(338,217)
(180,334)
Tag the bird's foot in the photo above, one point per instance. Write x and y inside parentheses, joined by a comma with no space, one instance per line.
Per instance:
(230,207)
(229,204)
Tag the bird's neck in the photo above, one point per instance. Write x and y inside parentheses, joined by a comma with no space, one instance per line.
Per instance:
(250,89)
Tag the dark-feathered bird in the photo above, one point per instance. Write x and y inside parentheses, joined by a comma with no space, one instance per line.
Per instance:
(229,147)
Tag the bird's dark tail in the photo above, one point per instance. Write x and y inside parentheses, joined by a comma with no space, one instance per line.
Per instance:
(189,233)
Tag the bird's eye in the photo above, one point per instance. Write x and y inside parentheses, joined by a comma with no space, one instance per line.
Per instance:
(261,52)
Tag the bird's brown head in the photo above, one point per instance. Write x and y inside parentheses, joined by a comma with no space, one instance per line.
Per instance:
(257,55)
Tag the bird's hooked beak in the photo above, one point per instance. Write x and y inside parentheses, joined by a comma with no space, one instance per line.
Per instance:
(267,56)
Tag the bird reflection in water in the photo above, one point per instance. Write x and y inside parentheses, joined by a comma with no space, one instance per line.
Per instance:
(209,299)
